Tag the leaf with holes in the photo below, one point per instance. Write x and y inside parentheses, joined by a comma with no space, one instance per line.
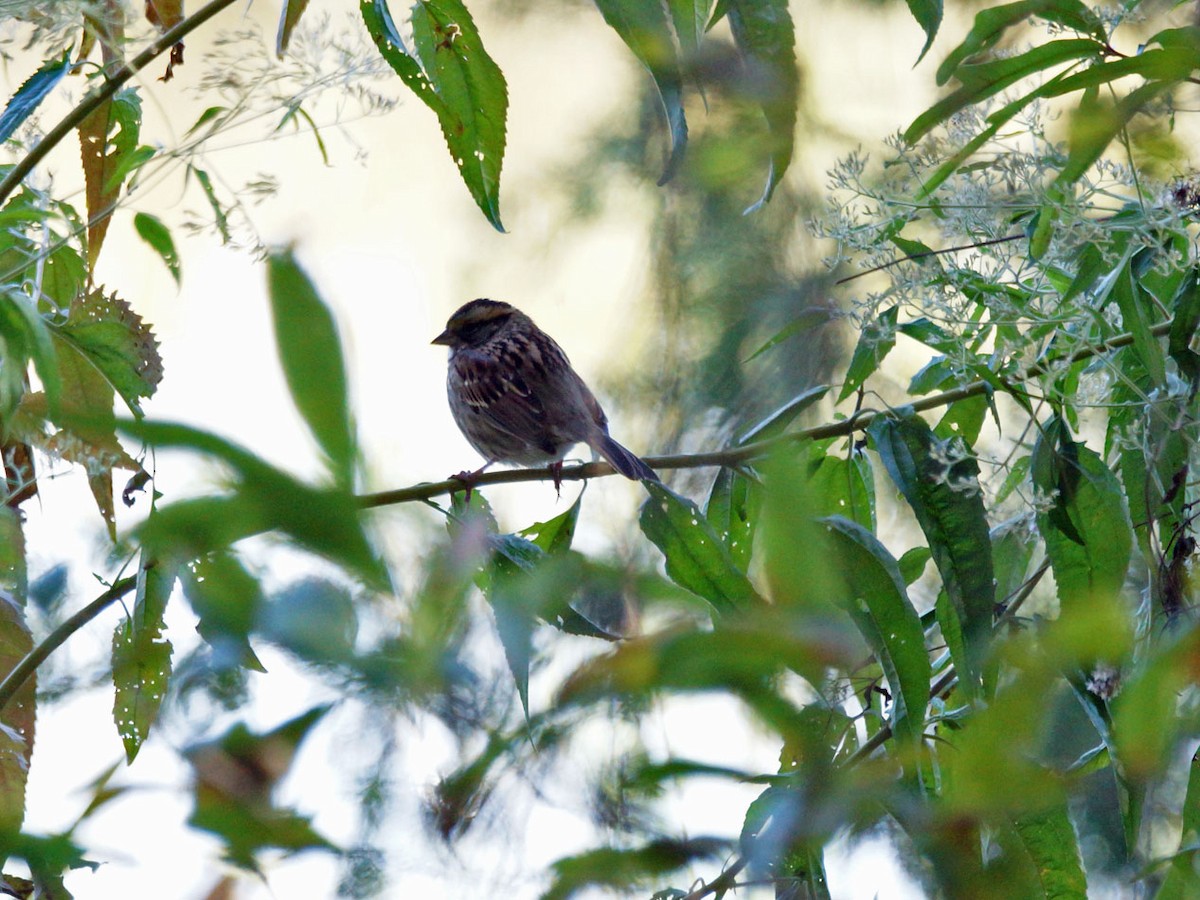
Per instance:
(107,137)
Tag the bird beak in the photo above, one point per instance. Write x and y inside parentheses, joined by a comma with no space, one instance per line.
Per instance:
(444,338)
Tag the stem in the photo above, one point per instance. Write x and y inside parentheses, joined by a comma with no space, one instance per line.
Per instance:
(94,100)
(35,657)
(746,452)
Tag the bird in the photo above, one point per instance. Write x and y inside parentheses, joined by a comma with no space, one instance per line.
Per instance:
(516,398)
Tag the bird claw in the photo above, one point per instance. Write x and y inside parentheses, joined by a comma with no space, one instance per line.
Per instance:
(556,473)
(468,479)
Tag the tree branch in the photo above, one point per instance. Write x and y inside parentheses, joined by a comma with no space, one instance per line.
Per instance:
(115,81)
(758,449)
(27,666)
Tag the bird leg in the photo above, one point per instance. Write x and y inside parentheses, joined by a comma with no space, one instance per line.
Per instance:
(468,479)
(556,474)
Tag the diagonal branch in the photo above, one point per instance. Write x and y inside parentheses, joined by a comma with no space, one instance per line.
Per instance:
(743,453)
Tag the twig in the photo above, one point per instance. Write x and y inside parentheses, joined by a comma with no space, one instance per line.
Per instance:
(90,103)
(758,449)
(35,657)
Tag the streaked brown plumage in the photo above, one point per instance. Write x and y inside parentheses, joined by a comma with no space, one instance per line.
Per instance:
(515,396)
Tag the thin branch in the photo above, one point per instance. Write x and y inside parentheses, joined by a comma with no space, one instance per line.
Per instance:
(115,81)
(758,449)
(723,882)
(27,666)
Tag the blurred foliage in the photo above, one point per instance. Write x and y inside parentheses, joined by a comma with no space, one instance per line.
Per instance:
(1011,734)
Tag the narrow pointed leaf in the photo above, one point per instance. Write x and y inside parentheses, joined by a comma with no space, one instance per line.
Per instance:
(30,94)
(151,230)
(310,351)
(648,32)
(289,17)
(17,720)
(877,600)
(875,342)
(941,485)
(928,14)
(449,70)
(107,137)
(696,557)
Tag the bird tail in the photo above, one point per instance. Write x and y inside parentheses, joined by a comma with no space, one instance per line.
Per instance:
(623,461)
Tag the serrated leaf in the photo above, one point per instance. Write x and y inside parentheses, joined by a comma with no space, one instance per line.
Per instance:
(875,342)
(647,31)
(106,138)
(29,95)
(877,600)
(310,351)
(141,657)
(112,338)
(941,485)
(18,718)
(450,72)
(765,35)
(289,17)
(696,557)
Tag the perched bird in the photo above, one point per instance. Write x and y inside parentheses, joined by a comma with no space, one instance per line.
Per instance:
(516,398)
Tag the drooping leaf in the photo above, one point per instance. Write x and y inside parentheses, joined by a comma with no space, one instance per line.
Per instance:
(1182,880)
(449,70)
(647,30)
(875,341)
(696,557)
(151,230)
(877,600)
(624,869)
(219,217)
(765,35)
(290,12)
(310,352)
(731,510)
(227,600)
(777,422)
(941,484)
(842,485)
(1049,839)
(1088,535)
(29,95)
(107,137)
(235,777)
(928,14)
(141,657)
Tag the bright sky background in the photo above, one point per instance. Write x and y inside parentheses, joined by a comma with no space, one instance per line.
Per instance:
(395,244)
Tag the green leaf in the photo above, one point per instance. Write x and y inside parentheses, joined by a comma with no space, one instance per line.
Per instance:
(1088,535)
(765,35)
(992,22)
(647,31)
(219,217)
(877,600)
(842,486)
(289,17)
(1049,839)
(310,352)
(777,422)
(227,599)
(29,95)
(141,657)
(990,78)
(1094,126)
(928,14)
(1184,323)
(912,563)
(941,485)
(555,535)
(1182,879)
(238,810)
(626,869)
(448,69)
(696,557)
(689,18)
(963,419)
(875,342)
(731,510)
(324,521)
(1134,303)
(25,330)
(151,230)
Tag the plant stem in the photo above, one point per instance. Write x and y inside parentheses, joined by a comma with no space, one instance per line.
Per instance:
(27,666)
(89,104)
